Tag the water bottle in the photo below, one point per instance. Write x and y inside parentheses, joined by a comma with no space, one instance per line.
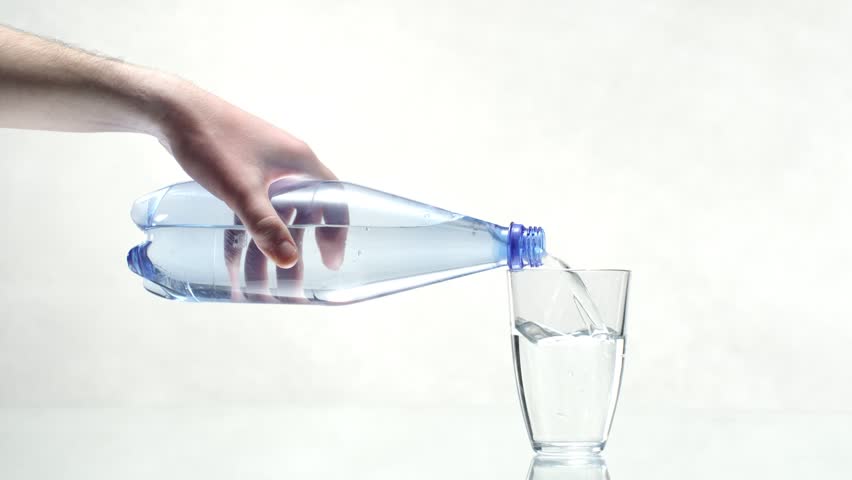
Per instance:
(355,243)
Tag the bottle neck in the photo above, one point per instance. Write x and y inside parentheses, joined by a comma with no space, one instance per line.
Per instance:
(525,246)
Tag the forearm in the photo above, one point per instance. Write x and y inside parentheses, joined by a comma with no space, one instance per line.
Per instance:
(233,154)
(45,85)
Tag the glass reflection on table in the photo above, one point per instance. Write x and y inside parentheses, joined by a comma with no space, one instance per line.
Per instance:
(543,467)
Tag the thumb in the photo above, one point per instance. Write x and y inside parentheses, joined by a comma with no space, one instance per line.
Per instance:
(268,231)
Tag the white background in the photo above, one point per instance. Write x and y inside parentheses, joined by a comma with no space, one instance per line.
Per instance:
(703,145)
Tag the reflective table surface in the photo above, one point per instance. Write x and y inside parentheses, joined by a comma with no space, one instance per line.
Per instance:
(407,443)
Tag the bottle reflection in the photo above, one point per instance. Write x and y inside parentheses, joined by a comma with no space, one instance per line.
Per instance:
(563,468)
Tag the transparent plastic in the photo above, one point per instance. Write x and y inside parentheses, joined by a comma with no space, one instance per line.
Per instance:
(568,344)
(355,243)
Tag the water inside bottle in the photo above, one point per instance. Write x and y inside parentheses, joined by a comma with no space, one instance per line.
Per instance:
(199,263)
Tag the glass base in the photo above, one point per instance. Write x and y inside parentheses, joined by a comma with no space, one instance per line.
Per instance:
(577,450)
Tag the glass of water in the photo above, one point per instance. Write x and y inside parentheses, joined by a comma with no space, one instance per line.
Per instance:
(568,349)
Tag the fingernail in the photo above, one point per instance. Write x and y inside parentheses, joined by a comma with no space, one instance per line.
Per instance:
(288,254)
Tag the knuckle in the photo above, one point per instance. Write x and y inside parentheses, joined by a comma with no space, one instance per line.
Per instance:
(301,151)
(301,148)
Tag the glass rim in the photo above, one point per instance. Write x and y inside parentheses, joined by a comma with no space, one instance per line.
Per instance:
(576,270)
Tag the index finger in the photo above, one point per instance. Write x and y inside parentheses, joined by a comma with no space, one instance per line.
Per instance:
(331,237)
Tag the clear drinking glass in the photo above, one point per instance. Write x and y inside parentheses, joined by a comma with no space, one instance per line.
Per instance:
(568,348)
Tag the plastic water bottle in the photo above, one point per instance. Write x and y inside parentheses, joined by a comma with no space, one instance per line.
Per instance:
(355,243)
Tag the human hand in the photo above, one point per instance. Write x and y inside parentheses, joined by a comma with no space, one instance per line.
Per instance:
(305,205)
(237,156)
(48,85)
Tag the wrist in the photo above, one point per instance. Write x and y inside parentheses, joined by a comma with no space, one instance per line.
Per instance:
(160,101)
